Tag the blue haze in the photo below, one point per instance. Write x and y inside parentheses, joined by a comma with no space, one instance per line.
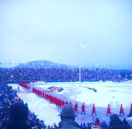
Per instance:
(77,32)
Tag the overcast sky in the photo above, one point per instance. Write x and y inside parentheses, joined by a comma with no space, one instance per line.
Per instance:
(81,32)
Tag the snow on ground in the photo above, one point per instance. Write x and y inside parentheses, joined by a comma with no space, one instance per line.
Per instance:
(112,93)
(44,110)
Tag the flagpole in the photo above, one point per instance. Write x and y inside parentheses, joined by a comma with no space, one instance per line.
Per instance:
(84,48)
(80,77)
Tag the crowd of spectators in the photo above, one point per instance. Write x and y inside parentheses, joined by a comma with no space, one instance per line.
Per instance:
(15,75)
(9,98)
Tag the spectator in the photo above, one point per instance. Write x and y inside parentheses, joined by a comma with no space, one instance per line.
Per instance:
(125,124)
(16,75)
(18,117)
(67,118)
(103,125)
(8,98)
(115,122)
(97,122)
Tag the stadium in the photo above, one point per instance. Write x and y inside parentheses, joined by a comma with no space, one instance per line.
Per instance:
(65,64)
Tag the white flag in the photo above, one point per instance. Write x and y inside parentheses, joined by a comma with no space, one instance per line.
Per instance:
(83,45)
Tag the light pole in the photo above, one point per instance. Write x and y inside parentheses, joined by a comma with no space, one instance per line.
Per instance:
(80,76)
(83,47)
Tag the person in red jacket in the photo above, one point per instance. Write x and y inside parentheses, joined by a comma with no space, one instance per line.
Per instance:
(76,107)
(83,109)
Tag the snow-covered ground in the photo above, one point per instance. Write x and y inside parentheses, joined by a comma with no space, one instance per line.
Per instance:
(106,92)
(99,93)
(42,108)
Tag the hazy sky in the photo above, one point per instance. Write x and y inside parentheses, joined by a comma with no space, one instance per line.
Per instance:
(81,32)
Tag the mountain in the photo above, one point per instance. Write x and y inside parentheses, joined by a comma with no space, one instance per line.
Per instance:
(42,64)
